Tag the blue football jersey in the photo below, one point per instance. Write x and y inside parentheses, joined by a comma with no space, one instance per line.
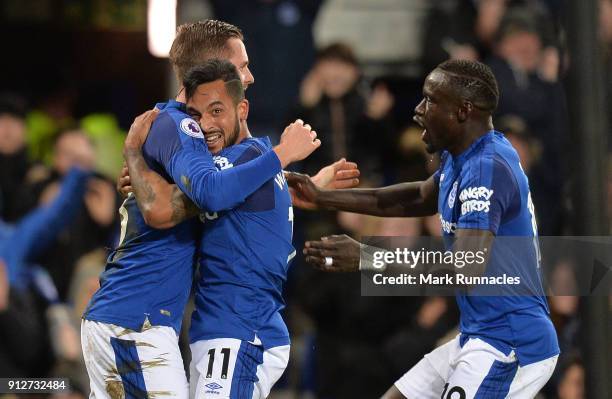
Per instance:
(244,256)
(149,276)
(485,188)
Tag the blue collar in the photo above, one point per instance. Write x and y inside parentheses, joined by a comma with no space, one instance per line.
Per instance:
(461,158)
(171,104)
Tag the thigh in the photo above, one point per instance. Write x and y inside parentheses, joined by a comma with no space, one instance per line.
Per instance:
(529,380)
(131,364)
(225,367)
(426,379)
(274,363)
(480,371)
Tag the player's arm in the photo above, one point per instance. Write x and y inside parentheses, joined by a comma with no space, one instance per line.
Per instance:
(163,205)
(349,255)
(195,174)
(405,199)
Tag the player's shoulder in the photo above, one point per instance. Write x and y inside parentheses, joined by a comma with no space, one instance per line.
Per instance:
(248,149)
(492,160)
(173,120)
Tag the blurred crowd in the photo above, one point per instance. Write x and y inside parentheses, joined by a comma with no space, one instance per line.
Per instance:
(344,345)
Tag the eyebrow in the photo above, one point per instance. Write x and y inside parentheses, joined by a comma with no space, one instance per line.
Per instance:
(215,103)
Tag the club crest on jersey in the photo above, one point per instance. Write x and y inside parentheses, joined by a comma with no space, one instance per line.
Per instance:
(452,195)
(191,128)
(222,162)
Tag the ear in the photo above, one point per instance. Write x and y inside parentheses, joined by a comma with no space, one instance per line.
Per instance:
(243,109)
(464,111)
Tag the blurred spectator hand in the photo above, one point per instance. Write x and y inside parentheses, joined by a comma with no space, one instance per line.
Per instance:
(380,102)
(140,130)
(100,201)
(490,13)
(311,89)
(4,286)
(64,337)
(463,52)
(12,134)
(549,64)
(430,312)
(73,148)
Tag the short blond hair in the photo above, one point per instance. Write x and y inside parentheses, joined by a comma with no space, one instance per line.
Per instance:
(197,42)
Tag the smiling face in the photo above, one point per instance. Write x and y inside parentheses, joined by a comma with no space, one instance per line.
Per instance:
(217,114)
(437,113)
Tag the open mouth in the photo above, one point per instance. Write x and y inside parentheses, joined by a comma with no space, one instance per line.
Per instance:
(213,138)
(419,122)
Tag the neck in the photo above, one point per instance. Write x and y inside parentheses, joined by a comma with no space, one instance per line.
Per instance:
(180,97)
(244,131)
(473,130)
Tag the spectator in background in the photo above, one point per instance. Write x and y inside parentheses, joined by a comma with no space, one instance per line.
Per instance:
(526,73)
(450,32)
(605,34)
(279,30)
(466,29)
(34,329)
(571,379)
(352,125)
(529,148)
(14,163)
(95,224)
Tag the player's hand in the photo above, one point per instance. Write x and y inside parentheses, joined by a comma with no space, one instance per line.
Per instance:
(297,142)
(140,130)
(303,191)
(340,174)
(124,185)
(337,253)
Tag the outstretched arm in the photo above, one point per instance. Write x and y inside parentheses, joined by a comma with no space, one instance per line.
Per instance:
(341,253)
(39,228)
(200,185)
(401,200)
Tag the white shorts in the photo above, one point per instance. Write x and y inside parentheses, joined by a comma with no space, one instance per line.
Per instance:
(227,368)
(126,364)
(477,370)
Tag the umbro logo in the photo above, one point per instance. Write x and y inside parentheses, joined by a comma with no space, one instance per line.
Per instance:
(214,386)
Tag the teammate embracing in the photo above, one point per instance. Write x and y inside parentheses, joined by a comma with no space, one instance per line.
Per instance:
(130,329)
(507,347)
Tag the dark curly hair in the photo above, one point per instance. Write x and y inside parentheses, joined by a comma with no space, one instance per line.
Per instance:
(474,81)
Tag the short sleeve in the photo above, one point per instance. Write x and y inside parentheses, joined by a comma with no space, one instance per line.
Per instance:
(167,138)
(487,191)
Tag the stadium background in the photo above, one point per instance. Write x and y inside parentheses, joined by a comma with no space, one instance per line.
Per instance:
(74,74)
